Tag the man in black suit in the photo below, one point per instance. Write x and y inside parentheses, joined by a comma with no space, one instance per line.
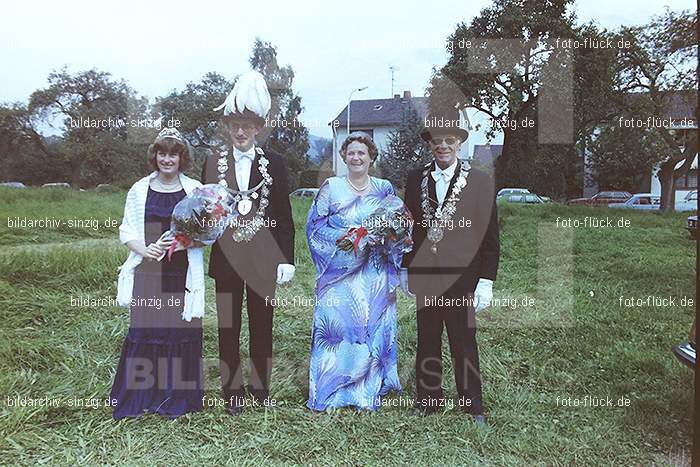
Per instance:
(256,252)
(453,263)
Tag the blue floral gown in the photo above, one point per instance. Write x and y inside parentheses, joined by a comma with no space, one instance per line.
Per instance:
(353,346)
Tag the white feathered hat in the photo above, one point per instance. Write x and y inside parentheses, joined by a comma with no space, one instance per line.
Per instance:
(249,99)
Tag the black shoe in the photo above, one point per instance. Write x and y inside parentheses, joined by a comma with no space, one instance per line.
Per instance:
(260,397)
(234,405)
(234,410)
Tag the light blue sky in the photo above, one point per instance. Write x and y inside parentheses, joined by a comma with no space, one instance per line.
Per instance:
(159,46)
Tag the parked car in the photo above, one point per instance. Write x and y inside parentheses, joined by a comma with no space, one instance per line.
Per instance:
(602,199)
(304,193)
(13,185)
(640,201)
(693,226)
(505,192)
(685,352)
(523,198)
(689,203)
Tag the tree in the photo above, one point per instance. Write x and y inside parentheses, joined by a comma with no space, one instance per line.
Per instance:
(517,63)
(13,137)
(661,62)
(285,134)
(201,125)
(622,157)
(22,160)
(193,108)
(96,112)
(324,151)
(405,149)
(321,164)
(292,142)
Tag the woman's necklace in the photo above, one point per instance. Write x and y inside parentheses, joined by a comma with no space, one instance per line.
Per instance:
(167,186)
(358,189)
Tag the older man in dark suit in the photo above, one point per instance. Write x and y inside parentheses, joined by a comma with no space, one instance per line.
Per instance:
(453,263)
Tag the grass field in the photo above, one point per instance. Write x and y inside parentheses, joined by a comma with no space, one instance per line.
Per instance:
(571,340)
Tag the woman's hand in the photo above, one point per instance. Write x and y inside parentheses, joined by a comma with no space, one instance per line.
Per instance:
(149,252)
(153,252)
(164,243)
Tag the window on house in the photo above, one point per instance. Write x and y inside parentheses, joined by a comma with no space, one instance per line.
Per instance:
(688,181)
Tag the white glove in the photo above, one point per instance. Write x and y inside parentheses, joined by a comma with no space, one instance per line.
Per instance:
(403,276)
(285,273)
(483,294)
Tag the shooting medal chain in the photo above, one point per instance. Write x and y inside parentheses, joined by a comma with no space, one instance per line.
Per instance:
(243,198)
(438,218)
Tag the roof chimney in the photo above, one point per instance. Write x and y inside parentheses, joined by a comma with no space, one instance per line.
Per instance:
(407,94)
(397,96)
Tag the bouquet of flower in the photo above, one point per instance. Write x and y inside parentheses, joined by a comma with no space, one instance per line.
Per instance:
(387,229)
(202,216)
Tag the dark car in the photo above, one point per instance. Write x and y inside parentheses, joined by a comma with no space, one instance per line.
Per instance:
(693,226)
(602,199)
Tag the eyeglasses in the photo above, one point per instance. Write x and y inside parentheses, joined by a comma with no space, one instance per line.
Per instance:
(450,140)
(235,126)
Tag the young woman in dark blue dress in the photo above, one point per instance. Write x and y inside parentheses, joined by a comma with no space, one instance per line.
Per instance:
(160,368)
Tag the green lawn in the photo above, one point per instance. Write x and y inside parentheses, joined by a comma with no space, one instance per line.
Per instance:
(574,341)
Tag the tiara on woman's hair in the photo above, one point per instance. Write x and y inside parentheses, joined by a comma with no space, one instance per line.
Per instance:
(171,132)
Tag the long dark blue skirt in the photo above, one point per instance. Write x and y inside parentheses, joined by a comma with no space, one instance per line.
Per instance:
(160,369)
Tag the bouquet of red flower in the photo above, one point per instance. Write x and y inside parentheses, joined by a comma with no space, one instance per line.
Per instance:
(202,216)
(388,229)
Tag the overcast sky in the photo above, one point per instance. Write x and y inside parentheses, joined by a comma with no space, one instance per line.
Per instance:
(160,46)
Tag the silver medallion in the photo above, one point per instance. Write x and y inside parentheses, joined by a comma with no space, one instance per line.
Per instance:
(244,206)
(435,233)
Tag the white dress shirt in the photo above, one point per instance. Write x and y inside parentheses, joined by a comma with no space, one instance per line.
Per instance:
(442,181)
(244,162)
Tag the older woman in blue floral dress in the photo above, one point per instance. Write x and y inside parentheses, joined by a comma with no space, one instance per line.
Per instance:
(358,231)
